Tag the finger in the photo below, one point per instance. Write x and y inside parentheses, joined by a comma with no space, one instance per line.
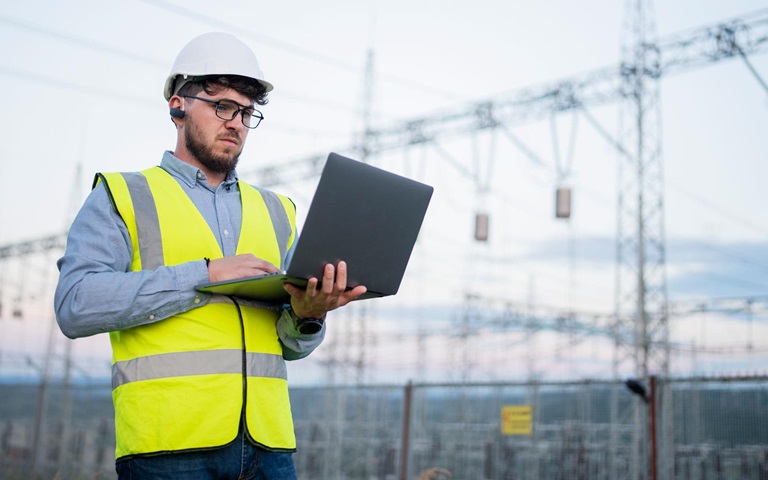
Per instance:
(265,266)
(356,292)
(269,268)
(351,295)
(254,263)
(311,289)
(328,275)
(293,290)
(341,276)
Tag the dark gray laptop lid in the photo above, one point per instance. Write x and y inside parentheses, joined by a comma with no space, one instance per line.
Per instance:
(361,214)
(366,216)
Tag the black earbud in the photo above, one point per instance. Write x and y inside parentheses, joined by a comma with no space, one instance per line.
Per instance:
(178,113)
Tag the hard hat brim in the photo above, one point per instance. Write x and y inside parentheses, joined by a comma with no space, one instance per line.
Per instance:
(171,84)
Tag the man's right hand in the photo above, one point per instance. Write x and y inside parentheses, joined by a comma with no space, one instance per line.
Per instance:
(238,266)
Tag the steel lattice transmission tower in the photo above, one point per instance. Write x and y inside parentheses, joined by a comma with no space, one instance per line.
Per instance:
(641,286)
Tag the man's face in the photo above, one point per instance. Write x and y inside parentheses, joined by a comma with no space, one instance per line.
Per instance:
(214,142)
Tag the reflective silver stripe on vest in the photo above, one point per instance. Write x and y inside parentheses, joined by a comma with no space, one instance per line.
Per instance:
(205,362)
(147,223)
(280,222)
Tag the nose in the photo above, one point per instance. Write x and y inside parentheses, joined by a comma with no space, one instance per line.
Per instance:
(236,123)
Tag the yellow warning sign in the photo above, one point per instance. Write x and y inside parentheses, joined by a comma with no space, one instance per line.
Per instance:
(516,420)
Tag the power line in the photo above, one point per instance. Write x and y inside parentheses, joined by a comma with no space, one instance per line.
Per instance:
(134,99)
(297,50)
(261,38)
(57,82)
(721,251)
(715,208)
(154,62)
(82,42)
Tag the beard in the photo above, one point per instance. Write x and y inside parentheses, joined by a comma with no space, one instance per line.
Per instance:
(216,162)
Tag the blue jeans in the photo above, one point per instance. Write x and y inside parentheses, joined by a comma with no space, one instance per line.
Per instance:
(239,460)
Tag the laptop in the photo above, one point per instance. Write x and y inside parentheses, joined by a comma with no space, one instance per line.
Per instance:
(364,215)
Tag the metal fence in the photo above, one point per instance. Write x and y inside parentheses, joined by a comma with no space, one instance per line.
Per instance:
(694,428)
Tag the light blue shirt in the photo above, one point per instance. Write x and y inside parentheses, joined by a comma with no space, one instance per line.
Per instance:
(97,292)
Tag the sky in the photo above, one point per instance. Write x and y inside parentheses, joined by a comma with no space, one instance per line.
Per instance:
(83,94)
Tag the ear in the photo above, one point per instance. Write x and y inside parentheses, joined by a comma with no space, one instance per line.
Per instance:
(176,108)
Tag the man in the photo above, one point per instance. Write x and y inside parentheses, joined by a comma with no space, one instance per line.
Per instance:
(199,381)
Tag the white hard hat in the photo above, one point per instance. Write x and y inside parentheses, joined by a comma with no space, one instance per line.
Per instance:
(213,53)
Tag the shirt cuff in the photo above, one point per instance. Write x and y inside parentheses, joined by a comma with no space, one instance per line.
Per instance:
(295,344)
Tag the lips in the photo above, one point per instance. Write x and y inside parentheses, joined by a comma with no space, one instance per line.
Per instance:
(233,140)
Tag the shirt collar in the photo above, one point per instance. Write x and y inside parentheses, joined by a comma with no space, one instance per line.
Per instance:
(190,174)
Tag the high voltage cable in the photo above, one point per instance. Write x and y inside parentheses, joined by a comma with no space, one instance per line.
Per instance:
(100,47)
(57,82)
(131,99)
(712,207)
(724,252)
(83,42)
(717,209)
(730,280)
(297,50)
(261,38)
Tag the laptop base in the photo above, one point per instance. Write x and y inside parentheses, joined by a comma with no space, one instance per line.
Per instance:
(269,288)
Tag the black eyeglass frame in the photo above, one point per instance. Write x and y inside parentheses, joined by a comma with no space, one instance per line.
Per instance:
(240,110)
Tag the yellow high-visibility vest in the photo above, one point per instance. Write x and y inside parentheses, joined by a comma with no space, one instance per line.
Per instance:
(182,383)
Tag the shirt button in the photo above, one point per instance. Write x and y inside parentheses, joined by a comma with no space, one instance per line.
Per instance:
(197,299)
(151,316)
(226,233)
(199,174)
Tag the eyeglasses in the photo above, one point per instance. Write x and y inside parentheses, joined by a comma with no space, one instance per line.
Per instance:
(228,110)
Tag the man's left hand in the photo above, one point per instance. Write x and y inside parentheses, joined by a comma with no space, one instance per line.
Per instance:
(315,301)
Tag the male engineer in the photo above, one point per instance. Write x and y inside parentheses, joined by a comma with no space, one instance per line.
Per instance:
(199,381)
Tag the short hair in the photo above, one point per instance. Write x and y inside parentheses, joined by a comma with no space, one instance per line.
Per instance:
(249,87)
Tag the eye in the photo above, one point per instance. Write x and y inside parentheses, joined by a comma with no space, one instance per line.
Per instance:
(226,109)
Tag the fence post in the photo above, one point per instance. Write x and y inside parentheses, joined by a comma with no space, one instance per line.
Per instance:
(405,444)
(654,457)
